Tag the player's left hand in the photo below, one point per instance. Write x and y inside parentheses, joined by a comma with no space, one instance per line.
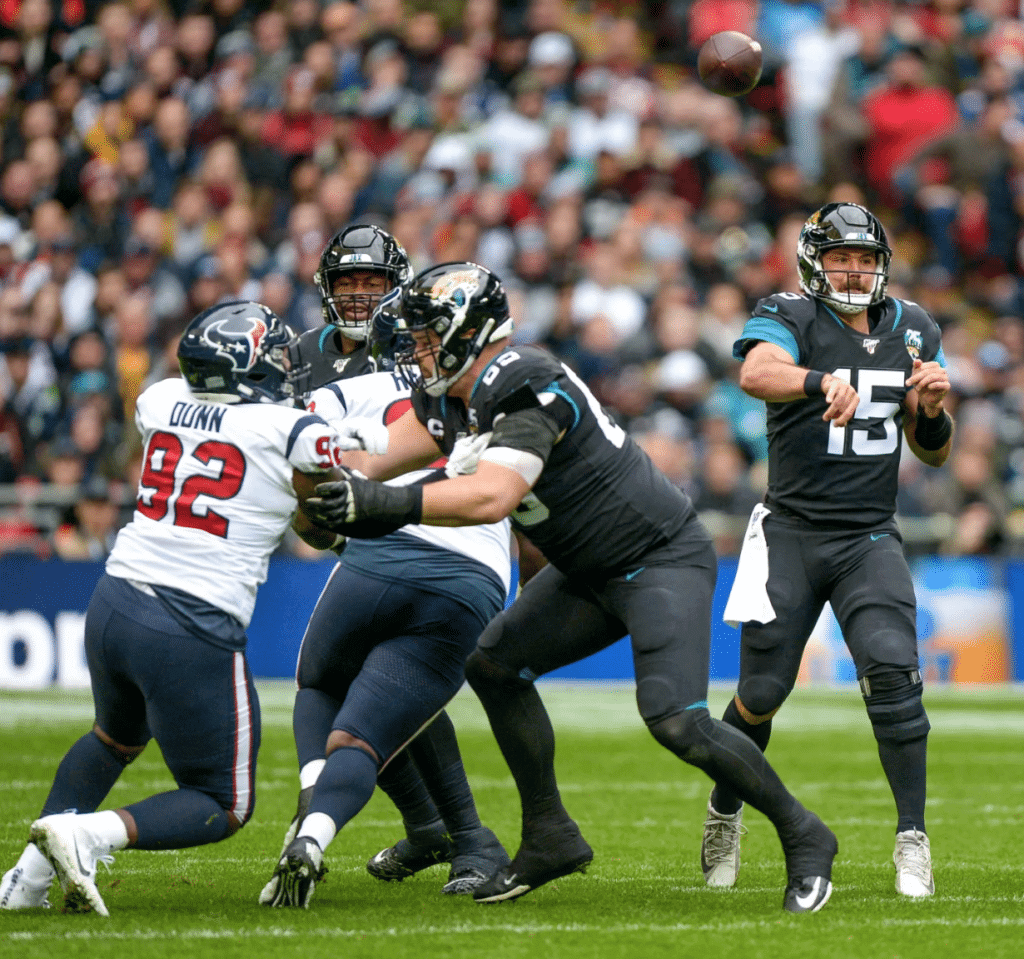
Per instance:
(465,456)
(932,384)
(362,433)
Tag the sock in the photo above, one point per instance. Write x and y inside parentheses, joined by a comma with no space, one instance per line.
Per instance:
(35,867)
(178,820)
(344,787)
(404,786)
(310,773)
(319,828)
(906,768)
(106,826)
(312,718)
(437,757)
(84,777)
(723,799)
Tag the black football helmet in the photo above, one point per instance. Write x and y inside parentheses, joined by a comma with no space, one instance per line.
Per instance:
(835,225)
(237,353)
(465,306)
(359,247)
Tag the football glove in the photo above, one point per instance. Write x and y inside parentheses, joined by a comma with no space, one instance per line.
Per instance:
(364,509)
(465,455)
(362,433)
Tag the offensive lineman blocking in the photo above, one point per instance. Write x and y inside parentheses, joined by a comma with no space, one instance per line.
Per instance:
(627,555)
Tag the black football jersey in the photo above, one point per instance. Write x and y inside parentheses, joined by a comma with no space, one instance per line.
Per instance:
(841,477)
(322,351)
(600,504)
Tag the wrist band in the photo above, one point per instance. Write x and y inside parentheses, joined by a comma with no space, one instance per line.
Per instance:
(812,383)
(932,433)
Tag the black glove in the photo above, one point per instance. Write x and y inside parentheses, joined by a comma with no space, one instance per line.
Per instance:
(364,509)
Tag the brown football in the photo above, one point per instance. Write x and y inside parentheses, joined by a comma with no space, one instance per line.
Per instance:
(730,63)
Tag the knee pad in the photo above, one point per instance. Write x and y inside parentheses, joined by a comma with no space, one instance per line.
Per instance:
(483,671)
(893,700)
(762,695)
(686,734)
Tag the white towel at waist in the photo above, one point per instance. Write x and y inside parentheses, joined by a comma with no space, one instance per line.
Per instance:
(748,598)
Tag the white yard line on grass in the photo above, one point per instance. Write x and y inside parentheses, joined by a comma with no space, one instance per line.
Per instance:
(278,932)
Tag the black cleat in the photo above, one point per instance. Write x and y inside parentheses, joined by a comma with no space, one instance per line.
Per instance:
(294,881)
(549,856)
(809,857)
(479,857)
(405,858)
(807,895)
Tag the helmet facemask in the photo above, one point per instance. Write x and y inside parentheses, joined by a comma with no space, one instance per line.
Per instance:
(358,249)
(350,312)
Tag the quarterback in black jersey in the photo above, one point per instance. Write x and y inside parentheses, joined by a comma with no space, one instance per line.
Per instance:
(627,556)
(358,266)
(847,373)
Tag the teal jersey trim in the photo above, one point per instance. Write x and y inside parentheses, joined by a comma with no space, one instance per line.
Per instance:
(558,391)
(768,331)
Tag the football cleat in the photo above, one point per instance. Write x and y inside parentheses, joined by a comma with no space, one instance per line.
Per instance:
(295,878)
(305,798)
(484,855)
(73,851)
(807,895)
(810,851)
(17,891)
(913,861)
(551,855)
(720,847)
(405,858)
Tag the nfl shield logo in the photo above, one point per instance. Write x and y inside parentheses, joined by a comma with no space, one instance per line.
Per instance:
(871,345)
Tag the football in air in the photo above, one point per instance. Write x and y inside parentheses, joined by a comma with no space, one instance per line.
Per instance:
(730,63)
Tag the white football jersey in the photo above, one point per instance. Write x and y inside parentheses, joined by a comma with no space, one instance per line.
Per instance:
(385,397)
(215,495)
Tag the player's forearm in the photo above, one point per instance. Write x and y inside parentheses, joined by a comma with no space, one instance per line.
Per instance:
(776,382)
(465,501)
(930,457)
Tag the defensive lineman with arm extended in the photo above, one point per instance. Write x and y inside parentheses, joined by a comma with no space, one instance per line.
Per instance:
(627,555)
(226,455)
(846,372)
(383,653)
(378,612)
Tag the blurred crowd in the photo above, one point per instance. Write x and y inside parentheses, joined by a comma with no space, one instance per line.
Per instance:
(160,155)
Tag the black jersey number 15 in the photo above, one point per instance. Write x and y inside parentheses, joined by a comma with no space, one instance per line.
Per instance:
(859,441)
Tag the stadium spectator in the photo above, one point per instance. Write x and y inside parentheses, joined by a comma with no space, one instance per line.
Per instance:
(903,115)
(91,536)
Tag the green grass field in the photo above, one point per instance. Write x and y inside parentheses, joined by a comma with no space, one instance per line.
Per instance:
(641,810)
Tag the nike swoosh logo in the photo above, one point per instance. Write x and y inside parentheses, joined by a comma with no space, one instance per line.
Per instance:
(875,537)
(635,573)
(78,856)
(805,901)
(770,309)
(510,881)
